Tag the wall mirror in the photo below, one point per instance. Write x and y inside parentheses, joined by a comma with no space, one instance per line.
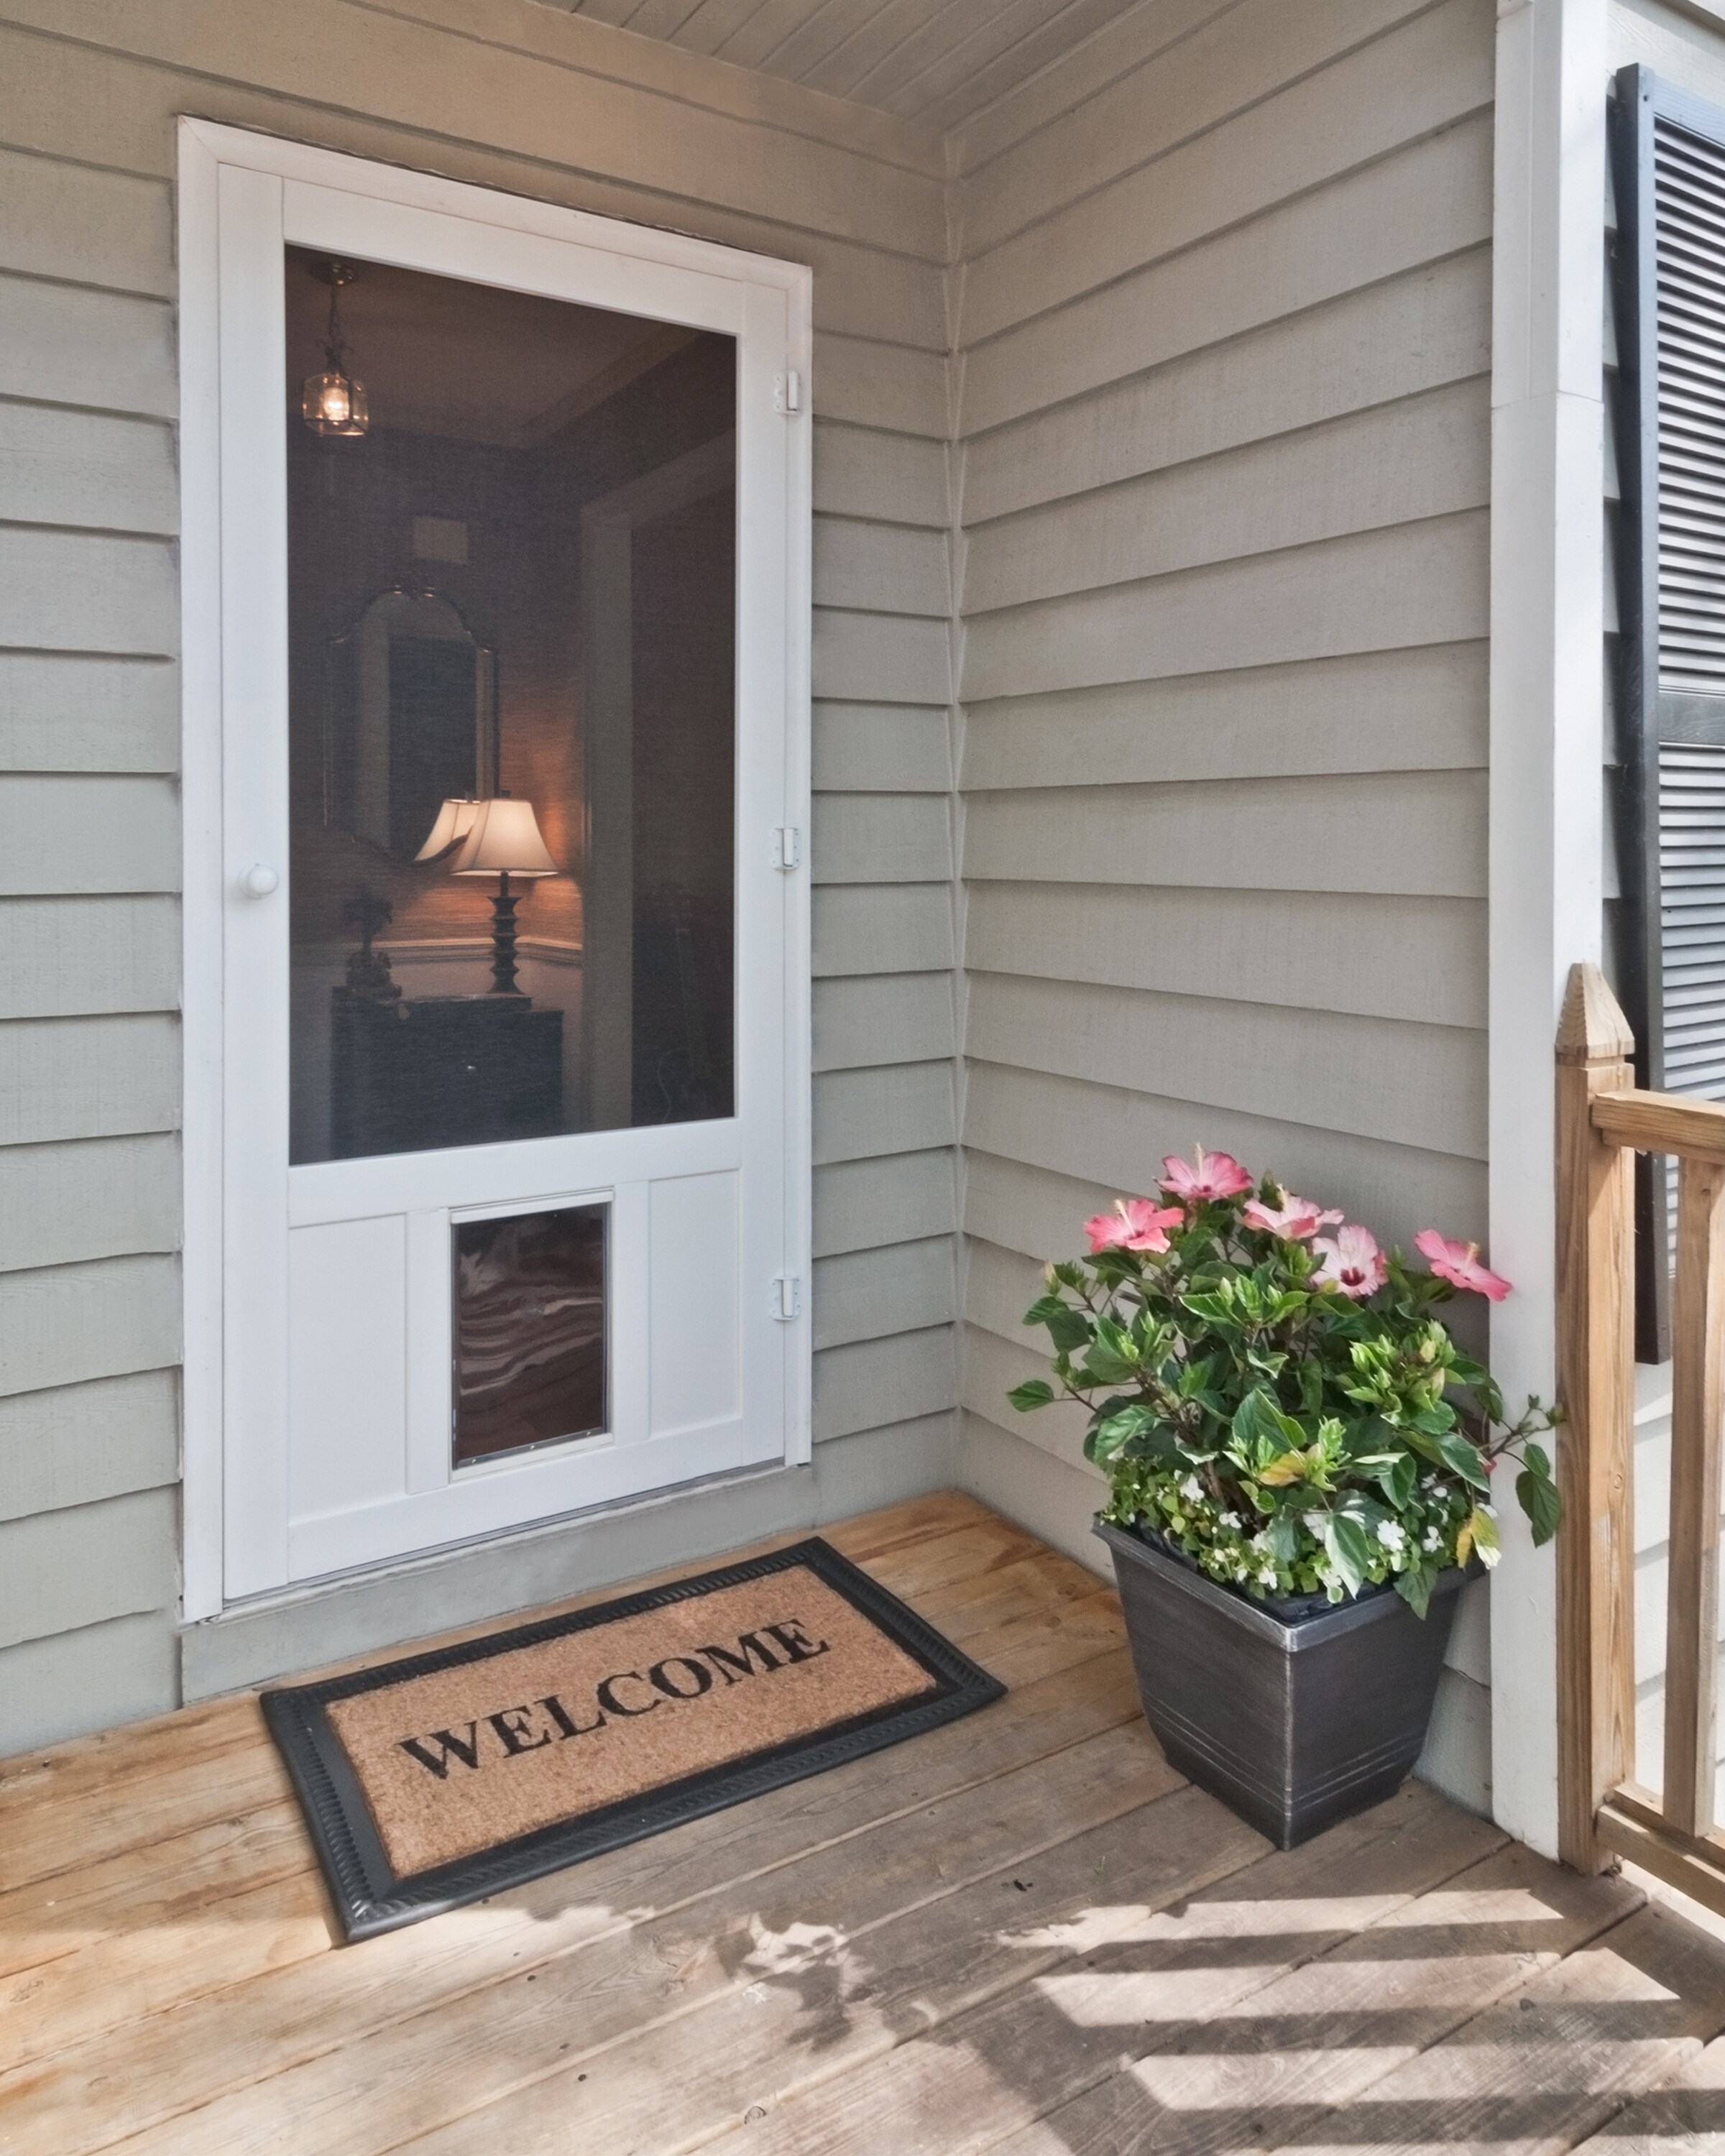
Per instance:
(412,721)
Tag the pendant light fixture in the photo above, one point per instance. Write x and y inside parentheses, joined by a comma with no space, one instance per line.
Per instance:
(334,403)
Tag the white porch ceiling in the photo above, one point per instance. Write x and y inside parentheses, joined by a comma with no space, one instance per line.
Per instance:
(934,60)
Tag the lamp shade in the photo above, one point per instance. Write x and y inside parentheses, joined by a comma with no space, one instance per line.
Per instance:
(505,840)
(454,820)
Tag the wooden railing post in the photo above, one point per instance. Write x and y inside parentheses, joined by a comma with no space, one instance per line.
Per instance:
(1596,1384)
(1692,1650)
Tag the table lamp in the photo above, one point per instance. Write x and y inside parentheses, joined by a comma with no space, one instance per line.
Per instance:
(454,820)
(504,842)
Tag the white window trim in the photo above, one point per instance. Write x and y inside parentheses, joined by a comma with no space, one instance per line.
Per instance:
(204,148)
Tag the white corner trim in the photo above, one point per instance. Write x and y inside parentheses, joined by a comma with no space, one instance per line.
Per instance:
(1546,791)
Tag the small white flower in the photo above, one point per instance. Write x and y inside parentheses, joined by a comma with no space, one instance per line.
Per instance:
(1434,1539)
(1392,1534)
(1192,1489)
(1230,1520)
(1260,1540)
(1266,1577)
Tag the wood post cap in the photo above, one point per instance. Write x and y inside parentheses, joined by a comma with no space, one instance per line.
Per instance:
(1593,1028)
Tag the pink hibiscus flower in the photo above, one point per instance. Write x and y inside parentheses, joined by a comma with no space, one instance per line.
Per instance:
(1134,1224)
(1352,1261)
(1217,1175)
(1295,1220)
(1459,1263)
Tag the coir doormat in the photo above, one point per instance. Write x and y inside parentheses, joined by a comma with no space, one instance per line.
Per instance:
(445,1777)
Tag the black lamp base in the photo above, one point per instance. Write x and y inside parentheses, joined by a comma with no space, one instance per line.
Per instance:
(503,968)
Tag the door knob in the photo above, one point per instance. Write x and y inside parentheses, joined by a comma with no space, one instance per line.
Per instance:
(258,881)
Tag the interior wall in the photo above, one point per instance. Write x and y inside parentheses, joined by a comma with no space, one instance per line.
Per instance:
(1223,396)
(507,95)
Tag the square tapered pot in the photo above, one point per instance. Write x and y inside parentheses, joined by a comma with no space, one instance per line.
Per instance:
(1294,1723)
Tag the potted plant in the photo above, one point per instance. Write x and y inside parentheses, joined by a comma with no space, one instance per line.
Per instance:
(1299,1460)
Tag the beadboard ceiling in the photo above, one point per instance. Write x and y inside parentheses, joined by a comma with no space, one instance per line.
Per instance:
(938,61)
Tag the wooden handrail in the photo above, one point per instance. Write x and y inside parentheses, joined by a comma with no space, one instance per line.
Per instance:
(1603,1120)
(1661,1122)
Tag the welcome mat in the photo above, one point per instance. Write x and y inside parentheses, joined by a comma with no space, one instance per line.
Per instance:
(445,1777)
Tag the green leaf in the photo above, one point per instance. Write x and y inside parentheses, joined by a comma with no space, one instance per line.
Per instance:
(1479,1532)
(1414,1587)
(1462,1456)
(1283,1536)
(1537,1461)
(1285,1470)
(1349,1551)
(1539,1500)
(1111,1433)
(1067,1328)
(1395,1477)
(1033,1393)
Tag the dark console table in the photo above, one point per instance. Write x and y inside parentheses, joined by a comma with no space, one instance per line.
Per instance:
(442,1070)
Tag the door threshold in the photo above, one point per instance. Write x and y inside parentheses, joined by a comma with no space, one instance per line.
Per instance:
(310,1590)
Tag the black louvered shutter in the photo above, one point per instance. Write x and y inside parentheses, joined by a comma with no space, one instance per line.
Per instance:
(1668,163)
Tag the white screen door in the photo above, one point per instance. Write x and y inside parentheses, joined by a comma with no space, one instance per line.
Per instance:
(512,1037)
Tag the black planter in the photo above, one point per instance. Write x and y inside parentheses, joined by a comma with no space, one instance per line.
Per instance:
(1297,1721)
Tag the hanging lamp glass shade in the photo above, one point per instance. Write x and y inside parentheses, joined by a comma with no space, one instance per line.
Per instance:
(334,404)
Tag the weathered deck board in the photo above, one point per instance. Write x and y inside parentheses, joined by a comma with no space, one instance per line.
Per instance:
(1022,1933)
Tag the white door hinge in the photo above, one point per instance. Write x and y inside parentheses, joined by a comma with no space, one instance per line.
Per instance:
(787,394)
(787,1296)
(786,846)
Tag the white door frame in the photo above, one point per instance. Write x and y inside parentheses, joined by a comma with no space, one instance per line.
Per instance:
(222,165)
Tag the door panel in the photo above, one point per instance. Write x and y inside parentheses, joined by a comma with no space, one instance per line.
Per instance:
(507,726)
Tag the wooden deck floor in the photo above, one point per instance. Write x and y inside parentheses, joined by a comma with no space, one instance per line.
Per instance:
(1022,1933)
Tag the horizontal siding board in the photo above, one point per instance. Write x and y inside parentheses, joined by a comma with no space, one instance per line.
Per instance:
(865,1204)
(90,469)
(1420,959)
(863,657)
(1044,1152)
(991,1367)
(881,748)
(1418,583)
(86,591)
(888,1018)
(1334,120)
(88,1198)
(861,1115)
(1411,1084)
(88,1077)
(84,227)
(66,1324)
(872,1382)
(1427,456)
(52,1690)
(878,568)
(1417,332)
(1431,199)
(61,711)
(891,478)
(510,100)
(79,1444)
(69,956)
(999,1286)
(61,1571)
(870,1295)
(885,385)
(884,837)
(1129,44)
(1410,832)
(878,928)
(1238,56)
(65,344)
(1423,709)
(88,833)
